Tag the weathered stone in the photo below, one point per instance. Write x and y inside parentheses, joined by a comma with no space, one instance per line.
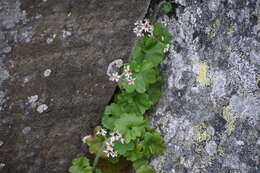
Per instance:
(209,110)
(76,40)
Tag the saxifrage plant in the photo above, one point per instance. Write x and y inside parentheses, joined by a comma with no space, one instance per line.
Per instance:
(125,131)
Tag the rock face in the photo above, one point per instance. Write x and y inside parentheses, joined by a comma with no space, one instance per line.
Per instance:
(53,61)
(210,106)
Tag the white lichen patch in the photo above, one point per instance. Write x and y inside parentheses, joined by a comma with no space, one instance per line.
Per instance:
(66,34)
(33,100)
(47,72)
(1,143)
(42,108)
(49,40)
(26,130)
(114,67)
(2,165)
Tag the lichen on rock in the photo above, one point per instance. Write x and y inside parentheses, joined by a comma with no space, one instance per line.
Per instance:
(210,105)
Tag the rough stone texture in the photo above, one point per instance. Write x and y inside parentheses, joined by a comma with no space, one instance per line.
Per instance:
(76,40)
(210,106)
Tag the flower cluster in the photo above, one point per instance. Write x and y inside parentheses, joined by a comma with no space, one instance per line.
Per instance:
(143,27)
(101,132)
(115,77)
(114,136)
(128,75)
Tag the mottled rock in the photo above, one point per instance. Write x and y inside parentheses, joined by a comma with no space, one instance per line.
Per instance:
(211,148)
(209,110)
(76,40)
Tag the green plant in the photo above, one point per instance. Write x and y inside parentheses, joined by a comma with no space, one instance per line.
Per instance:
(125,131)
(167,7)
(80,165)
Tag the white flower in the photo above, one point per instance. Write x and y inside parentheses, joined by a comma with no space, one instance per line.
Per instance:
(162,38)
(142,27)
(47,72)
(85,138)
(115,77)
(110,152)
(127,69)
(115,136)
(114,66)
(138,31)
(131,81)
(164,22)
(122,139)
(167,48)
(110,143)
(101,132)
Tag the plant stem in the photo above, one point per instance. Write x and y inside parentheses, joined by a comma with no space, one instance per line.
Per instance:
(98,155)
(156,11)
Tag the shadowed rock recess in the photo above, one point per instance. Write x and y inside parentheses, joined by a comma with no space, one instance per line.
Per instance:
(210,105)
(53,60)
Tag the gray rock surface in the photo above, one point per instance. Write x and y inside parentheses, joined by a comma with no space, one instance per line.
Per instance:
(210,105)
(76,40)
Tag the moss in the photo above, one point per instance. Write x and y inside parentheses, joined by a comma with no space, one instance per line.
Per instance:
(230,118)
(202,74)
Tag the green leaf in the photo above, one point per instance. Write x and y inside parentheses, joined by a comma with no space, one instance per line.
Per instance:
(140,84)
(109,121)
(138,53)
(167,7)
(130,126)
(113,109)
(134,102)
(134,155)
(95,143)
(123,148)
(138,163)
(149,43)
(112,113)
(136,66)
(154,51)
(98,170)
(161,34)
(149,76)
(145,169)
(80,165)
(154,91)
(152,144)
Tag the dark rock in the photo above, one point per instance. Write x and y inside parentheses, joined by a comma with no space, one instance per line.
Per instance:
(45,134)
